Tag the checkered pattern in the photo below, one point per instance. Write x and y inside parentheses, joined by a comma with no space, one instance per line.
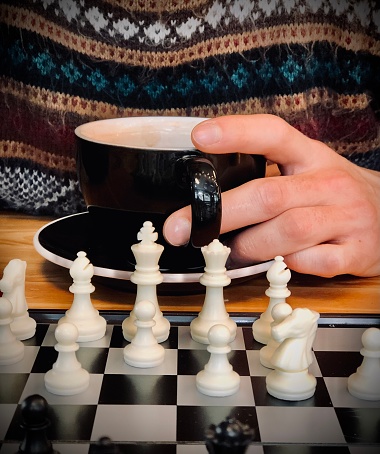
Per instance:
(159,410)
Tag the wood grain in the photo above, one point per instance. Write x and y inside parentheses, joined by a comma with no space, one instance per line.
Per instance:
(47,284)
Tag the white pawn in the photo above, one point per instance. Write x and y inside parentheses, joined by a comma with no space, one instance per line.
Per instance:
(13,287)
(279,313)
(214,279)
(91,326)
(11,349)
(144,350)
(147,276)
(67,377)
(365,382)
(218,377)
(278,276)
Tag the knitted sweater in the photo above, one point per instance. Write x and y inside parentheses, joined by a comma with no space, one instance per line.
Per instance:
(315,63)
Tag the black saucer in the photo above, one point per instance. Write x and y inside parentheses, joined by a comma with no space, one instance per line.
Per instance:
(59,242)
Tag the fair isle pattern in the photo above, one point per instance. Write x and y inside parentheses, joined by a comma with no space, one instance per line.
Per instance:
(275,35)
(65,62)
(215,14)
(281,105)
(278,70)
(25,152)
(37,191)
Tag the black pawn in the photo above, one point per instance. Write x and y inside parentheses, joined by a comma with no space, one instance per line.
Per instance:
(229,437)
(35,422)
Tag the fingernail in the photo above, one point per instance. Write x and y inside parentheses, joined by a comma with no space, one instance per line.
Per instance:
(207,133)
(177,231)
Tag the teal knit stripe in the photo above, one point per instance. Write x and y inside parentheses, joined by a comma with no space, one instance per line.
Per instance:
(281,70)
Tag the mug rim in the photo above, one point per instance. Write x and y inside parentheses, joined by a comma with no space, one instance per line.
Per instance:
(83,131)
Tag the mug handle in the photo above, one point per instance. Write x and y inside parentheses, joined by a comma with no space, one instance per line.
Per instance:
(205,194)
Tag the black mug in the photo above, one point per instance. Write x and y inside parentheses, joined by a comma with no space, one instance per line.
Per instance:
(138,169)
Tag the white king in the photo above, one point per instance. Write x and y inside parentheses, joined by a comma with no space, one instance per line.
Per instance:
(147,254)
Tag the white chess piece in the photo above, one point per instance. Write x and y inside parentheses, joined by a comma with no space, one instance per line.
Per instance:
(278,276)
(11,349)
(13,287)
(218,377)
(214,279)
(365,382)
(147,276)
(67,377)
(91,326)
(144,350)
(290,379)
(279,313)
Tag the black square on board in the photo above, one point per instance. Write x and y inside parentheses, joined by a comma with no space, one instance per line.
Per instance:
(249,340)
(45,359)
(146,448)
(117,338)
(360,425)
(93,359)
(190,362)
(120,389)
(338,364)
(172,341)
(37,339)
(193,421)
(239,361)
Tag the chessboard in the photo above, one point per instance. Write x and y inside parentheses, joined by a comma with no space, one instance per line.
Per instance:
(159,410)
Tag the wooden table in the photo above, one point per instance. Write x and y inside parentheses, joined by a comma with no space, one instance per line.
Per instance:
(47,284)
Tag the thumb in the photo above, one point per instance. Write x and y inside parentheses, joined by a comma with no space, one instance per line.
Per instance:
(266,135)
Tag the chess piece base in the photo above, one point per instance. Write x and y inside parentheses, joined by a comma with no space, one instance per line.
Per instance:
(261,330)
(291,386)
(217,386)
(23,327)
(266,354)
(67,384)
(151,356)
(89,329)
(366,388)
(11,356)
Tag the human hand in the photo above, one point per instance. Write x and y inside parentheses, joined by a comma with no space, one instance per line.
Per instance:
(322,214)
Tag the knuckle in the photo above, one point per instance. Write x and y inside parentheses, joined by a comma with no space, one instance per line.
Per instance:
(280,129)
(339,181)
(335,264)
(295,226)
(270,196)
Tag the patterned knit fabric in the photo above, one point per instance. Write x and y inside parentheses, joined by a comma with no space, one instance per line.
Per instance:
(315,63)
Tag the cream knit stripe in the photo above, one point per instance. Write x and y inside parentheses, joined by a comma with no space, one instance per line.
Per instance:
(19,150)
(283,105)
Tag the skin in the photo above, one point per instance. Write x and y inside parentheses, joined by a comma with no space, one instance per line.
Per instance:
(322,213)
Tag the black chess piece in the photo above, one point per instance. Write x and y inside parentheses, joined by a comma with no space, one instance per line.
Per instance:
(229,437)
(35,422)
(104,446)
